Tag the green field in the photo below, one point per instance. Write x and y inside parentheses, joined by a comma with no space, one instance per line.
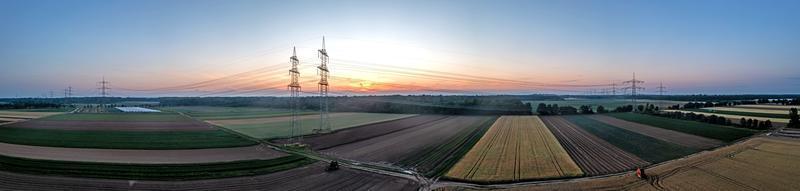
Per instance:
(219,113)
(122,139)
(153,117)
(169,172)
(609,104)
(713,131)
(436,160)
(645,147)
(281,129)
(769,115)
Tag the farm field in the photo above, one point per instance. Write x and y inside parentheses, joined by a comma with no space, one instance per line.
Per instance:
(430,148)
(308,177)
(140,156)
(515,148)
(762,163)
(744,112)
(355,134)
(592,154)
(120,131)
(609,104)
(20,115)
(713,131)
(683,139)
(221,113)
(648,148)
(129,171)
(278,127)
(774,107)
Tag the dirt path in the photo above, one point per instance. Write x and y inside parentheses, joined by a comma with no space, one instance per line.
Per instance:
(683,139)
(140,156)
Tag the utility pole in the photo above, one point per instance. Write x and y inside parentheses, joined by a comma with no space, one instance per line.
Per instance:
(613,89)
(324,124)
(103,87)
(68,92)
(661,89)
(294,100)
(633,88)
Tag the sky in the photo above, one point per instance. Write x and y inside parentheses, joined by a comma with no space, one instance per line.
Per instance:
(242,48)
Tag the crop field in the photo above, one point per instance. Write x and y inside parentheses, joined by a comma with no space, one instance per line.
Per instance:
(609,104)
(151,171)
(594,155)
(279,127)
(355,134)
(683,139)
(758,164)
(768,113)
(311,177)
(184,156)
(648,148)
(762,163)
(120,131)
(713,131)
(515,148)
(430,148)
(19,115)
(221,113)
(773,107)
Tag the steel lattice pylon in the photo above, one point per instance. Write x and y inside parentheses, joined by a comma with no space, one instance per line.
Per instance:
(294,100)
(324,123)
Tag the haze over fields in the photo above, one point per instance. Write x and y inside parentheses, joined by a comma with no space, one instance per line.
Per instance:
(242,48)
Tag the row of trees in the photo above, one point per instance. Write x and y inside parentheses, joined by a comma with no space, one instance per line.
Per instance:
(714,119)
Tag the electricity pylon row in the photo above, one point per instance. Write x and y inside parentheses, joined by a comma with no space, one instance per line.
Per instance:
(295,89)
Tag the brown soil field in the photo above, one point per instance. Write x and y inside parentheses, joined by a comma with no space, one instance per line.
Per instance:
(594,155)
(394,147)
(25,115)
(187,125)
(272,119)
(762,163)
(309,177)
(683,139)
(350,135)
(140,156)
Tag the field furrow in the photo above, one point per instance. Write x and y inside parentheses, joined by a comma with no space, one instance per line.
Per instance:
(594,155)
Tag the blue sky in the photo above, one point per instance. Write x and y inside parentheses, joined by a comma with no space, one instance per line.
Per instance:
(692,46)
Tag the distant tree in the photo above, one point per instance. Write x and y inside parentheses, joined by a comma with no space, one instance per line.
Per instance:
(755,124)
(743,122)
(585,109)
(542,109)
(794,119)
(640,108)
(768,124)
(601,109)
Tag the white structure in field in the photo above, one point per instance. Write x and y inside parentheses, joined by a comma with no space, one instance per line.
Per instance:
(137,110)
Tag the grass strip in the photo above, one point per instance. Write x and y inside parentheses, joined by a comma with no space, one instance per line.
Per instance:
(713,131)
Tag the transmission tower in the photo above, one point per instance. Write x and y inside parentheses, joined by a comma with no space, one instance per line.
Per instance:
(661,89)
(324,124)
(68,92)
(633,88)
(103,87)
(294,90)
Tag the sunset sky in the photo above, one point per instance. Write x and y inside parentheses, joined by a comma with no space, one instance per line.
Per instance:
(234,48)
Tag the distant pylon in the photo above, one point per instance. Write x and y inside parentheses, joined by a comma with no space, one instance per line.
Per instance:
(324,123)
(103,87)
(294,100)
(661,89)
(68,92)
(633,88)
